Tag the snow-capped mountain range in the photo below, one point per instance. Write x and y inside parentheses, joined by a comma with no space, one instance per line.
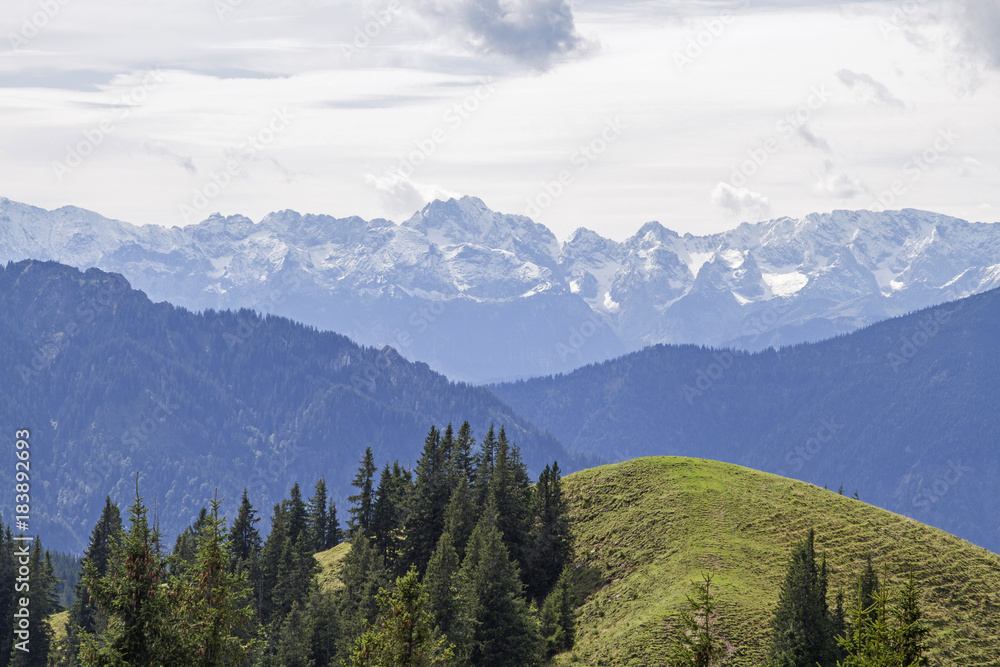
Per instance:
(481,295)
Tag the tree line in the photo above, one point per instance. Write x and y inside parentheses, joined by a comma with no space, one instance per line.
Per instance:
(461,561)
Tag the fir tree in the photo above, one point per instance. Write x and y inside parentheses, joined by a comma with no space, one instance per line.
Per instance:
(363,502)
(504,632)
(293,647)
(83,614)
(318,519)
(389,513)
(213,601)
(510,489)
(913,632)
(802,626)
(694,643)
(550,543)
(404,635)
(431,492)
(868,586)
(363,575)
(140,630)
(333,532)
(558,624)
(460,517)
(441,584)
(484,468)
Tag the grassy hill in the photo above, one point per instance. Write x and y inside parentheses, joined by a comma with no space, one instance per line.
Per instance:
(648,527)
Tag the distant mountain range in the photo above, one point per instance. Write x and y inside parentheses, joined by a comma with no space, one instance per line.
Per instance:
(481,295)
(905,412)
(110,384)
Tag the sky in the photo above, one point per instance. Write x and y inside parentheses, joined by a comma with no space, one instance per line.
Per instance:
(700,114)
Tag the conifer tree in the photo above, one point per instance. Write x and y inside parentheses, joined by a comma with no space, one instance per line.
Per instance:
(868,586)
(404,635)
(441,584)
(431,492)
(389,513)
(694,643)
(8,601)
(505,634)
(326,626)
(550,545)
(83,614)
(913,632)
(294,647)
(462,462)
(214,604)
(558,624)
(510,489)
(245,550)
(318,519)
(334,535)
(802,626)
(186,545)
(484,468)
(363,502)
(140,630)
(363,575)
(460,517)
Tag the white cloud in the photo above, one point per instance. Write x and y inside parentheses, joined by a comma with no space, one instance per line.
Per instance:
(741,202)
(185,162)
(836,183)
(401,195)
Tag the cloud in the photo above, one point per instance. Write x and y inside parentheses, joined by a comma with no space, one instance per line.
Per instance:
(814,139)
(833,182)
(185,162)
(872,91)
(978,23)
(402,196)
(741,202)
(534,32)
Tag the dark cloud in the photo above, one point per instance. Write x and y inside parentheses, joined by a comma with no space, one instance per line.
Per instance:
(534,32)
(870,89)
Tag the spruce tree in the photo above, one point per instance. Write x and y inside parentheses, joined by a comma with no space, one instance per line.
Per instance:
(294,646)
(326,626)
(363,575)
(510,489)
(441,584)
(83,614)
(404,635)
(868,586)
(363,502)
(333,533)
(694,644)
(8,597)
(460,517)
(802,626)
(245,550)
(483,462)
(504,632)
(431,492)
(140,630)
(318,520)
(462,462)
(558,623)
(390,512)
(550,545)
(913,632)
(214,602)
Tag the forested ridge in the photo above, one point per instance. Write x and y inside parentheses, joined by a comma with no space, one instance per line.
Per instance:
(902,412)
(109,384)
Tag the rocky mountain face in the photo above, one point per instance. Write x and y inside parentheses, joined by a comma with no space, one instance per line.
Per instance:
(481,295)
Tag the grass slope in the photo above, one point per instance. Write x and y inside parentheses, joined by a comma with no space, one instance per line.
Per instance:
(647,528)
